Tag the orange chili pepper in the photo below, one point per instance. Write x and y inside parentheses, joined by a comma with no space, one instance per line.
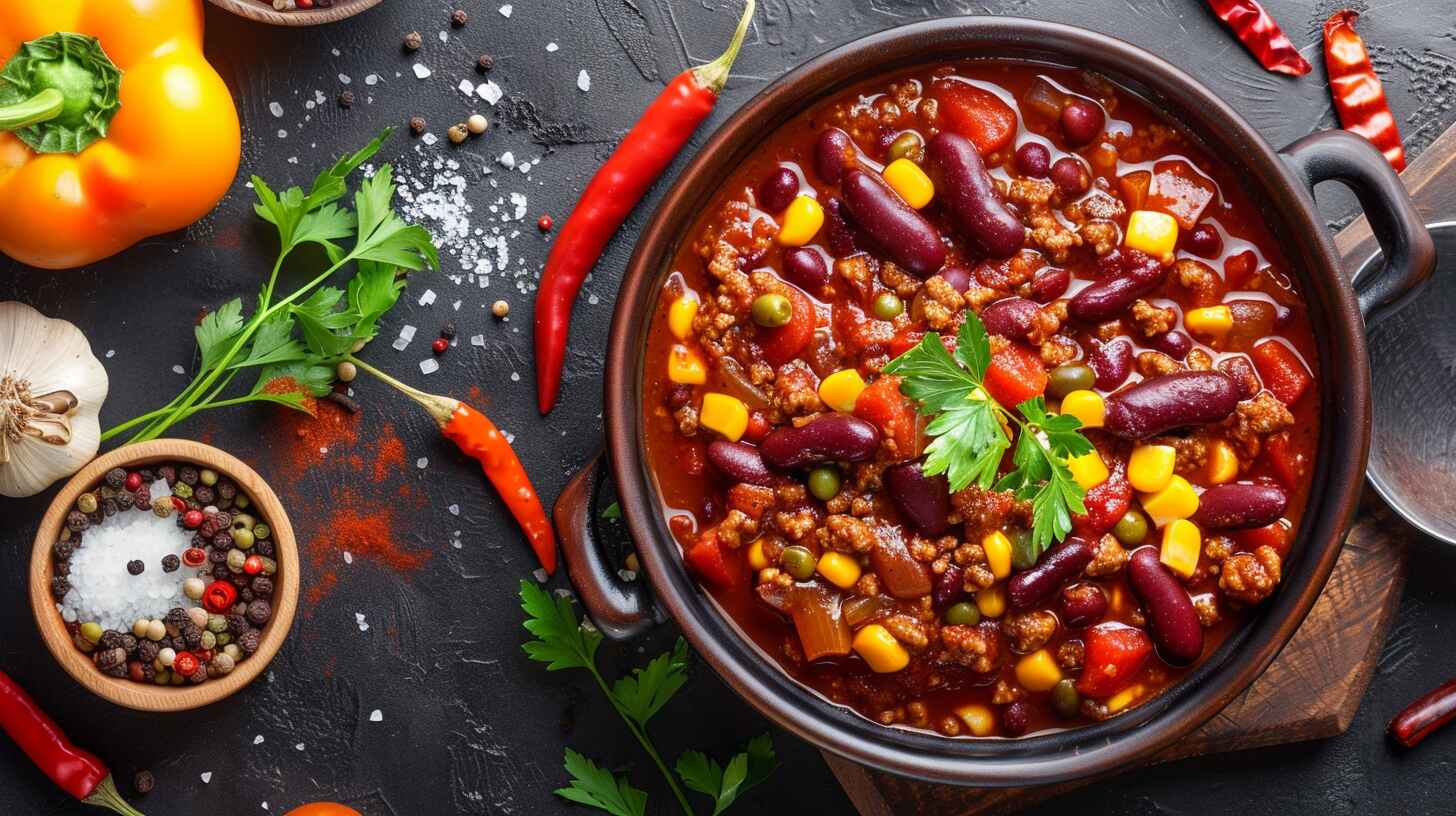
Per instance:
(479,438)
(1359,97)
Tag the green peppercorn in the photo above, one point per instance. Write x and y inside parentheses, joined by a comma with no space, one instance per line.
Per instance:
(243,539)
(1064,379)
(207,477)
(217,624)
(888,306)
(236,559)
(1066,702)
(1131,529)
(162,677)
(242,502)
(964,613)
(182,490)
(91,630)
(798,562)
(261,531)
(269,565)
(86,503)
(209,638)
(224,638)
(824,482)
(906,146)
(772,310)
(1023,554)
(243,521)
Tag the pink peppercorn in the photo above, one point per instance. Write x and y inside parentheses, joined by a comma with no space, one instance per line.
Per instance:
(440,345)
(133,481)
(544,223)
(192,519)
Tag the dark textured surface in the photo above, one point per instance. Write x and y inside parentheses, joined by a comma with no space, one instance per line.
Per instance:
(469,725)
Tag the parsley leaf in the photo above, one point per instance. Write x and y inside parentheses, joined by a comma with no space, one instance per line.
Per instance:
(216,330)
(973,347)
(561,641)
(967,446)
(613,511)
(931,377)
(645,691)
(599,788)
(745,770)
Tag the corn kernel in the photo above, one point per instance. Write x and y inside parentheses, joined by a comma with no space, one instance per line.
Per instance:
(685,366)
(1124,698)
(1038,671)
(906,178)
(1088,469)
(756,559)
(879,648)
(978,718)
(1175,501)
(840,389)
(839,569)
(991,601)
(1181,543)
(724,414)
(1212,322)
(1222,464)
(801,221)
(1086,406)
(1150,467)
(1153,232)
(680,315)
(998,553)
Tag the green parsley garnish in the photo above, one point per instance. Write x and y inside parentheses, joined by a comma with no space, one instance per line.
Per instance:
(970,438)
(564,642)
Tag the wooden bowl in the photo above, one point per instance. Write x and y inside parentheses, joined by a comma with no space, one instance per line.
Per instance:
(142,696)
(265,13)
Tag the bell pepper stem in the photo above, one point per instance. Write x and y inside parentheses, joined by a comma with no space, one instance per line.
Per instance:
(42,107)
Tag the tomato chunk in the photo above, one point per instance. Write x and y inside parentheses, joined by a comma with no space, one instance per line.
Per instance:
(1115,654)
(1281,370)
(1015,375)
(1180,190)
(1275,535)
(975,113)
(782,344)
(892,412)
(1288,464)
(1106,503)
(705,557)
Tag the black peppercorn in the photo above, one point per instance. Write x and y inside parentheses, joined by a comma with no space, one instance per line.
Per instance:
(485,63)
(417,125)
(110,639)
(170,563)
(176,616)
(147,651)
(143,782)
(259,611)
(61,568)
(189,475)
(115,478)
(77,522)
(199,676)
(108,658)
(458,18)
(226,490)
(204,495)
(136,566)
(109,507)
(192,636)
(60,585)
(63,550)
(124,500)
(264,548)
(245,593)
(221,572)
(262,586)
(221,521)
(413,41)
(248,641)
(346,99)
(237,624)
(168,473)
(223,541)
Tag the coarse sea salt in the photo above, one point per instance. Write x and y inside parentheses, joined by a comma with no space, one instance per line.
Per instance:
(429,365)
(101,588)
(583,81)
(489,91)
(421,72)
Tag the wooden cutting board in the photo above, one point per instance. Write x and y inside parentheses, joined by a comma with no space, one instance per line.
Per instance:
(1312,689)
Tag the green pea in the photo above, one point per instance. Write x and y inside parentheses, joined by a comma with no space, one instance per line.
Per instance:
(772,310)
(888,306)
(824,483)
(1131,529)
(1064,379)
(1066,702)
(1023,554)
(91,630)
(964,613)
(906,146)
(798,562)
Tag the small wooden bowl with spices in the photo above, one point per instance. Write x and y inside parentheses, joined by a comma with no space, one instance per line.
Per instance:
(309,13)
(188,558)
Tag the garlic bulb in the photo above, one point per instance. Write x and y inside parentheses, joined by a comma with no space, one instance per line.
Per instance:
(51,390)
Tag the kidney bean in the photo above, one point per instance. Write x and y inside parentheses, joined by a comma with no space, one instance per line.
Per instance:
(1172,620)
(1173,343)
(1059,564)
(1203,240)
(776,191)
(965,188)
(923,500)
(1112,362)
(1240,506)
(902,576)
(1082,121)
(949,587)
(843,238)
(833,152)
(1071,176)
(1138,275)
(1034,160)
(741,463)
(827,438)
(1082,605)
(1242,370)
(903,233)
(958,277)
(1170,401)
(805,268)
(1012,317)
(1016,718)
(1050,283)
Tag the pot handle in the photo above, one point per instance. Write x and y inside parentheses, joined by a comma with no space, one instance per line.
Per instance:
(620,609)
(1409,252)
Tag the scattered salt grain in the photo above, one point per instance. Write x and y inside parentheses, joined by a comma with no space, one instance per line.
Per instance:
(344,79)
(298,747)
(275,109)
(258,740)
(176,369)
(466,87)
(428,297)
(515,376)
(359,619)
(371,79)
(489,91)
(110,353)
(507,159)
(443,35)
(406,334)
(348,557)
(429,138)
(422,463)
(421,72)
(454,509)
(583,81)
(456,305)
(376,716)
(477,340)
(540,574)
(282,134)
(551,47)
(506,10)
(207,777)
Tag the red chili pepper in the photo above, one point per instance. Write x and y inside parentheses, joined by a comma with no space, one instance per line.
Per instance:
(616,188)
(1425,715)
(194,556)
(133,481)
(477,437)
(179,505)
(1261,35)
(80,773)
(253,564)
(1359,97)
(185,664)
(219,597)
(193,519)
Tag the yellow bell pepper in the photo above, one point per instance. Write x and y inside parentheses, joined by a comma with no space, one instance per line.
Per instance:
(1038,671)
(118,128)
(802,221)
(1088,469)
(980,719)
(1087,406)
(841,389)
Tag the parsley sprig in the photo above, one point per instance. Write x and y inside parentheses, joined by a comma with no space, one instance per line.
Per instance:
(564,642)
(295,342)
(971,436)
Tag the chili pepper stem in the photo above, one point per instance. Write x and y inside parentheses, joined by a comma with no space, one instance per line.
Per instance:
(42,107)
(107,796)
(441,408)
(714,75)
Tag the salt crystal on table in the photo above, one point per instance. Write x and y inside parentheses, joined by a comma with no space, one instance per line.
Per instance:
(207,777)
(540,574)
(506,10)
(456,305)
(376,716)
(507,159)
(298,747)
(348,557)
(176,369)
(275,109)
(429,138)
(489,91)
(421,71)
(515,376)
(422,463)
(551,47)
(110,353)
(444,36)
(359,619)
(371,79)
(477,340)
(282,134)
(454,509)
(344,78)
(258,740)
(583,81)
(466,87)
(428,297)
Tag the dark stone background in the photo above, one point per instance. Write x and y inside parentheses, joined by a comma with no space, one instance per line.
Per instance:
(470,726)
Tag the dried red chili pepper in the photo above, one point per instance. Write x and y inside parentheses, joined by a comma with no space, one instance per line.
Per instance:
(1261,35)
(1359,97)
(477,437)
(79,773)
(645,152)
(1425,715)
(219,597)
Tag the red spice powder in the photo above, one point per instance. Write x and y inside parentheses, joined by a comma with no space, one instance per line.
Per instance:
(390,456)
(365,527)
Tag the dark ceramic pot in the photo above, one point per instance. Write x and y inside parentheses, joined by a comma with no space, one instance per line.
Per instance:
(1280,180)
